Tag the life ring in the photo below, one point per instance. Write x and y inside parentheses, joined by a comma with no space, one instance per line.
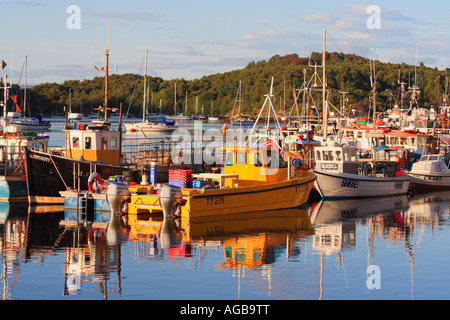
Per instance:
(94,182)
(296,162)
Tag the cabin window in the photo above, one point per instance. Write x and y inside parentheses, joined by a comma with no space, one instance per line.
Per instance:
(421,142)
(113,143)
(433,158)
(241,158)
(413,141)
(258,160)
(75,142)
(352,155)
(403,141)
(328,156)
(394,141)
(338,156)
(229,159)
(87,143)
(104,143)
(278,161)
(318,156)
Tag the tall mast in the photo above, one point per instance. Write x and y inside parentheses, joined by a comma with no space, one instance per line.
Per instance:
(25,92)
(106,69)
(175,101)
(144,107)
(106,74)
(5,94)
(324,85)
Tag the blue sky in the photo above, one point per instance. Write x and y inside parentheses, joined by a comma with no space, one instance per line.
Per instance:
(190,39)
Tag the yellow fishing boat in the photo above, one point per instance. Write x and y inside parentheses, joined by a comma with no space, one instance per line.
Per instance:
(253,179)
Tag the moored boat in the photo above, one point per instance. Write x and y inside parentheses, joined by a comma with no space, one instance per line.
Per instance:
(429,174)
(89,148)
(13,186)
(340,176)
(150,124)
(250,182)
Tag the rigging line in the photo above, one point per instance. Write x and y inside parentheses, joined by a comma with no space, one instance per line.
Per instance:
(364,81)
(134,89)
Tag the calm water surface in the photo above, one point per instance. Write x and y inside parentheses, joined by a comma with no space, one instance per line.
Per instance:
(320,251)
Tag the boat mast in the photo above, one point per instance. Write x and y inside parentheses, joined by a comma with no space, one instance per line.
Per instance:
(175,100)
(144,107)
(5,94)
(106,69)
(25,92)
(106,74)
(324,85)
(373,81)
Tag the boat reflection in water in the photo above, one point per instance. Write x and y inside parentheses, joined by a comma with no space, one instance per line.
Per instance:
(334,221)
(91,244)
(248,239)
(91,247)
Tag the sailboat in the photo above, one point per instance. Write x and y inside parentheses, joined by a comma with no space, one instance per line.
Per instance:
(240,120)
(180,116)
(13,186)
(18,123)
(150,124)
(212,117)
(92,153)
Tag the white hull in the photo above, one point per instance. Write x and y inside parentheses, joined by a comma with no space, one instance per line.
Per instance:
(12,128)
(346,185)
(179,118)
(149,128)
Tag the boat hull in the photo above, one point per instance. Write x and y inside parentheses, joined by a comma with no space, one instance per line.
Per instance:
(47,175)
(280,195)
(149,128)
(13,189)
(430,182)
(344,185)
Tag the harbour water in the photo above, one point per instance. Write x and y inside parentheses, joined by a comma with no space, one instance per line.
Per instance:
(392,248)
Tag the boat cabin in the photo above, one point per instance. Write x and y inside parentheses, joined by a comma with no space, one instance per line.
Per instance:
(336,158)
(255,165)
(430,164)
(415,142)
(93,142)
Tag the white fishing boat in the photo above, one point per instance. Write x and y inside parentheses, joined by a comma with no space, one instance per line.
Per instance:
(340,176)
(430,174)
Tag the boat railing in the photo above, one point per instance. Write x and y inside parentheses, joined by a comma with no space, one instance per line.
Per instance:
(11,161)
(140,153)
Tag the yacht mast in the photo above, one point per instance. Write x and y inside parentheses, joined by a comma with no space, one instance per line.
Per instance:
(144,107)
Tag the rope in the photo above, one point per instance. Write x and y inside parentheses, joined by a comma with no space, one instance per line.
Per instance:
(54,164)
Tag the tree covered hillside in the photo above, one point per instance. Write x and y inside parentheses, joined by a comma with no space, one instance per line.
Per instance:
(345,72)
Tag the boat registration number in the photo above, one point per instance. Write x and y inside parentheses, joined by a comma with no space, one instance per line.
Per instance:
(215,200)
(350,183)
(432,178)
